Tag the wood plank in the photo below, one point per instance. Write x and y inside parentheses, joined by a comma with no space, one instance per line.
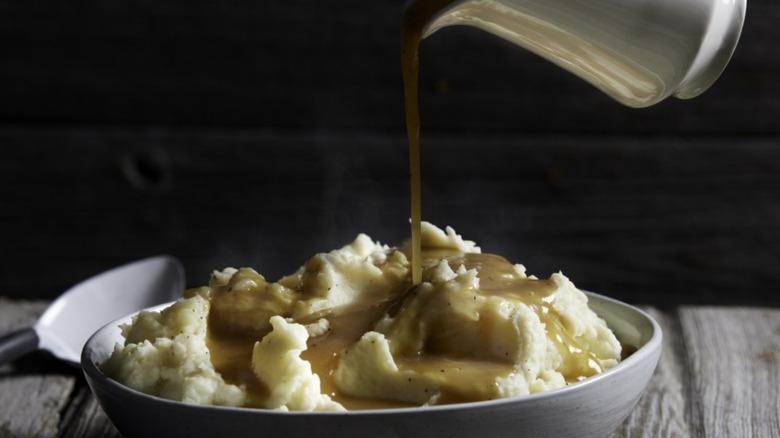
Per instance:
(85,418)
(34,389)
(662,220)
(661,410)
(734,367)
(331,65)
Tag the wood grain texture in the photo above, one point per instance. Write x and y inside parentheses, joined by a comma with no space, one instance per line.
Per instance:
(661,412)
(35,389)
(84,417)
(331,65)
(733,361)
(662,220)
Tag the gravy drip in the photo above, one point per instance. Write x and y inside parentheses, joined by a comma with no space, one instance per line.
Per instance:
(416,16)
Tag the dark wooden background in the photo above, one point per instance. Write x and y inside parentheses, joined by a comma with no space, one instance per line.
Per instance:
(238,133)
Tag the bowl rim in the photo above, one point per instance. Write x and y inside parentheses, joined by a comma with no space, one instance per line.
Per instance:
(651,345)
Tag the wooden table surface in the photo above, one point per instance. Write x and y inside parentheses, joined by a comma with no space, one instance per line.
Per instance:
(718,375)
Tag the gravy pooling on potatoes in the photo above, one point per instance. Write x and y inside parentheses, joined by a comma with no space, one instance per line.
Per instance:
(442,357)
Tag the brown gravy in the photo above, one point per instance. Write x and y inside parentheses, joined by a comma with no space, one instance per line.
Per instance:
(441,358)
(416,15)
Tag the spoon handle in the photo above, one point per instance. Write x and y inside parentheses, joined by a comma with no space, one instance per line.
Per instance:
(17,344)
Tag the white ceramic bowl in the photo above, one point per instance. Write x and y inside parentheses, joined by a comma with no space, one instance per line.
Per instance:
(591,408)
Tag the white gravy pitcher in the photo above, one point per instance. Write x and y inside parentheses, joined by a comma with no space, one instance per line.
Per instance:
(637,51)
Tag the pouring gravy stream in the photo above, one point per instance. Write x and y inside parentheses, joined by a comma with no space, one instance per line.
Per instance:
(416,16)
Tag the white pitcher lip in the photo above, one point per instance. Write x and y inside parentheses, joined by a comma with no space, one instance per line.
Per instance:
(717,47)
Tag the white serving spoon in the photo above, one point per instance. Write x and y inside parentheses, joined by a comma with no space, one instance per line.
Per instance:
(71,319)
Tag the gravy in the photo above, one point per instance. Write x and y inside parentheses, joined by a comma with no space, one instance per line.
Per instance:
(441,357)
(416,16)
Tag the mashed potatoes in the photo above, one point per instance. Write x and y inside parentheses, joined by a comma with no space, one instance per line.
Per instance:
(347,331)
